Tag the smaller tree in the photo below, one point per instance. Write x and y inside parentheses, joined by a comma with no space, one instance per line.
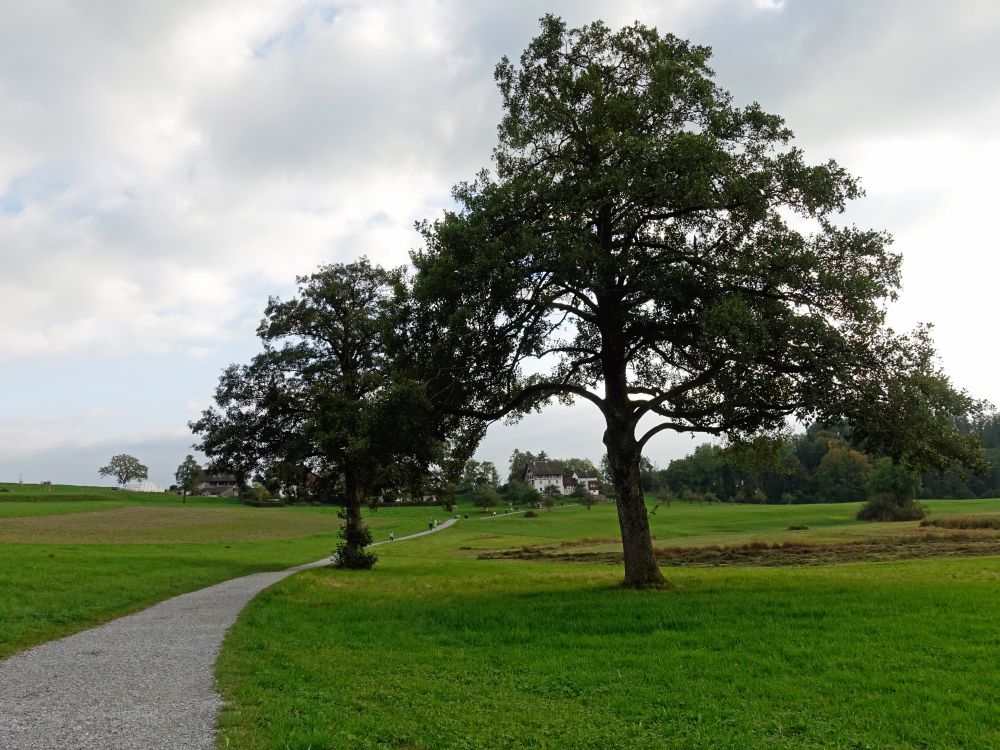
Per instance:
(257,492)
(476,473)
(583,496)
(446,493)
(125,469)
(664,496)
(189,475)
(517,493)
(842,476)
(583,467)
(551,495)
(894,489)
(485,497)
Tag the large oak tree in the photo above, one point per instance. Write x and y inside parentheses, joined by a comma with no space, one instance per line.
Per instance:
(644,244)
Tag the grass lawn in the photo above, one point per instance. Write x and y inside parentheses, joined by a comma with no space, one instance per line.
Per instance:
(84,557)
(437,648)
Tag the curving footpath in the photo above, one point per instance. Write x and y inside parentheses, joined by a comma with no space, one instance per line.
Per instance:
(141,681)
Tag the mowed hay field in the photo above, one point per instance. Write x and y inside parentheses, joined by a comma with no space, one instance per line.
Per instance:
(442,647)
(76,557)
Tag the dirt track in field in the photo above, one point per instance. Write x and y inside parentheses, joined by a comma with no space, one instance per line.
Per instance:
(916,546)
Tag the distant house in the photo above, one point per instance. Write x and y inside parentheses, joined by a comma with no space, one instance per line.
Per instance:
(223,485)
(542,474)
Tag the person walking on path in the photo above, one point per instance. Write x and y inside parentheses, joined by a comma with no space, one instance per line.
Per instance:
(392,536)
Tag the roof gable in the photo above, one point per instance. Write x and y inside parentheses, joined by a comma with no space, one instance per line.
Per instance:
(545,468)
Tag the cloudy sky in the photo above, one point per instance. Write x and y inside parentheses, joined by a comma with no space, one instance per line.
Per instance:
(164,166)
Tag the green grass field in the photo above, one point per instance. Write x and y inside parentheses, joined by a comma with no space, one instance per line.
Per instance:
(80,556)
(438,648)
(442,647)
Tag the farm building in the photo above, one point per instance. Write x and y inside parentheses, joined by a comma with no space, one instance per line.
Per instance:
(223,485)
(542,474)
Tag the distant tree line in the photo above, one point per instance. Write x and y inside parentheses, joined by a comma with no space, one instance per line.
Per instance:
(818,465)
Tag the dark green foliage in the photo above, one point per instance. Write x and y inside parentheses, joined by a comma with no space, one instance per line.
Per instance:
(519,460)
(485,496)
(894,489)
(476,474)
(256,492)
(894,479)
(351,552)
(189,475)
(550,496)
(635,230)
(842,475)
(446,494)
(328,408)
(886,507)
(792,473)
(519,493)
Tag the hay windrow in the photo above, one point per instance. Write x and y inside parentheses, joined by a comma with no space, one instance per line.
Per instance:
(780,554)
(991,521)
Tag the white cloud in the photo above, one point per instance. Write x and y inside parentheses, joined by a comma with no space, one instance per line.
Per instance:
(166,165)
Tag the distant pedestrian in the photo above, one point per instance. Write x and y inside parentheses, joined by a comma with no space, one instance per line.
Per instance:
(392,537)
(430,526)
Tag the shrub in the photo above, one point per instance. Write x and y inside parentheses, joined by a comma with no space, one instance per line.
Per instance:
(798,527)
(884,506)
(351,551)
(894,488)
(530,514)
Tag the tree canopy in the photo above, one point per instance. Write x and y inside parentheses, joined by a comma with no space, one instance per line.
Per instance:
(646,245)
(125,469)
(326,406)
(189,476)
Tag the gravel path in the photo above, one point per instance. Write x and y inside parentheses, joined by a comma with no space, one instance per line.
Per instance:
(142,681)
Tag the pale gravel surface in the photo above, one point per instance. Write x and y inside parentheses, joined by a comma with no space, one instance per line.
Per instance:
(142,681)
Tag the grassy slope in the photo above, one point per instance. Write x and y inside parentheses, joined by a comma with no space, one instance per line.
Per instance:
(39,493)
(436,649)
(56,577)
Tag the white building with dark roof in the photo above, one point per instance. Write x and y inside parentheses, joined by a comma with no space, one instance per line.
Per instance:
(543,474)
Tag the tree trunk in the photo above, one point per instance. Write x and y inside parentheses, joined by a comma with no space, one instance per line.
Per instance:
(355,536)
(352,518)
(624,452)
(641,570)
